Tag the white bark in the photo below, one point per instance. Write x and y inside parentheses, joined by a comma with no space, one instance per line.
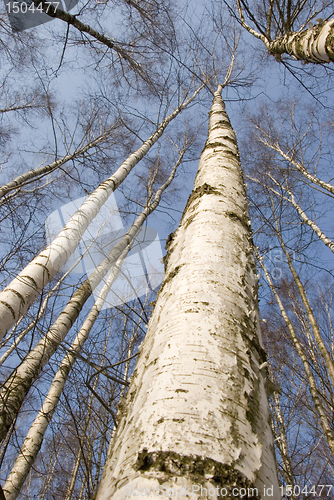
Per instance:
(314,45)
(316,332)
(281,436)
(299,166)
(18,296)
(24,332)
(40,172)
(196,413)
(74,475)
(309,375)
(81,438)
(34,439)
(321,235)
(19,382)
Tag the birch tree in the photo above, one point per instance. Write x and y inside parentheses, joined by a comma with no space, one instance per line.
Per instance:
(199,394)
(172,93)
(18,384)
(288,173)
(210,432)
(18,296)
(37,174)
(274,24)
(33,441)
(307,390)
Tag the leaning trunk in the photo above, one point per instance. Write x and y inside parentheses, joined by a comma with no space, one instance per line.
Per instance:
(16,387)
(20,294)
(35,436)
(196,414)
(314,45)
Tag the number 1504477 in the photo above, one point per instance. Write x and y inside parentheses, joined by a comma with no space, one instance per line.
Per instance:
(319,491)
(23,7)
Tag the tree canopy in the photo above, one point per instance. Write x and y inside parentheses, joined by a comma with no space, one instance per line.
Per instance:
(104,115)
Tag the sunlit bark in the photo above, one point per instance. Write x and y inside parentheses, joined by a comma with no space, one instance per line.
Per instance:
(18,384)
(315,45)
(196,413)
(292,200)
(316,332)
(298,165)
(24,332)
(310,378)
(82,437)
(34,439)
(38,173)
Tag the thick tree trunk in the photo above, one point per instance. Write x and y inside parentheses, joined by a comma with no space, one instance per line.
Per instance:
(196,414)
(315,45)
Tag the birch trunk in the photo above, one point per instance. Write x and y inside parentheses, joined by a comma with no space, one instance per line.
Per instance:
(298,165)
(83,435)
(315,45)
(308,371)
(291,199)
(38,173)
(196,414)
(38,317)
(19,382)
(18,296)
(35,436)
(321,235)
(326,355)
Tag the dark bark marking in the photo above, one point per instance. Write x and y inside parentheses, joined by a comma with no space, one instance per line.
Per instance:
(198,469)
(8,307)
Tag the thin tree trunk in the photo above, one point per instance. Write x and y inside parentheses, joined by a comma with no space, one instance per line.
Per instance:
(281,436)
(35,436)
(310,378)
(102,446)
(38,173)
(316,332)
(20,294)
(321,235)
(19,382)
(298,165)
(74,475)
(196,413)
(71,19)
(71,486)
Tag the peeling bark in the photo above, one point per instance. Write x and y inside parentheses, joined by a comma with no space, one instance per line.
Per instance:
(196,414)
(314,45)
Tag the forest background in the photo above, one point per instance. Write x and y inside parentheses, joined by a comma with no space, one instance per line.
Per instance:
(123,89)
